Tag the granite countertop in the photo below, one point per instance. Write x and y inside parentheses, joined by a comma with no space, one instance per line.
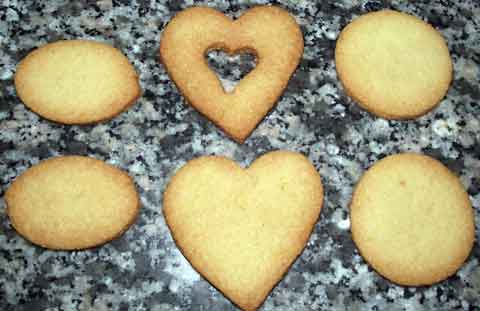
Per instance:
(144,270)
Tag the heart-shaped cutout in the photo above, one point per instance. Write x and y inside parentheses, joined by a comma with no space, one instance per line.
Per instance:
(243,228)
(266,31)
(230,69)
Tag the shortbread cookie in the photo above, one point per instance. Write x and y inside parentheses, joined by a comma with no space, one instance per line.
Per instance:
(71,203)
(243,228)
(393,64)
(266,31)
(412,220)
(77,81)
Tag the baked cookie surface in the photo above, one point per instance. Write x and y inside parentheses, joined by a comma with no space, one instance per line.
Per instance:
(77,81)
(393,64)
(243,228)
(412,220)
(269,32)
(72,202)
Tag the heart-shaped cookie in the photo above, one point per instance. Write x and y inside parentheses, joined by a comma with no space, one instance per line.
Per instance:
(266,31)
(243,228)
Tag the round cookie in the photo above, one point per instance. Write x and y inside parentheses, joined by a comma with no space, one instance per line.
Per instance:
(393,64)
(77,81)
(72,202)
(412,220)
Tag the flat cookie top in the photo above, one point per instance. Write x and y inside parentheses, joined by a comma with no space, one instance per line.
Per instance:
(77,81)
(412,220)
(393,64)
(243,228)
(269,32)
(72,202)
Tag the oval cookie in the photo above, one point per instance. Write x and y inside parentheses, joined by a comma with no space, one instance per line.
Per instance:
(393,64)
(243,228)
(77,81)
(412,220)
(71,203)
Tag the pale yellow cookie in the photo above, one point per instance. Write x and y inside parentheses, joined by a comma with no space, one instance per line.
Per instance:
(412,220)
(393,64)
(72,202)
(243,228)
(77,81)
(267,31)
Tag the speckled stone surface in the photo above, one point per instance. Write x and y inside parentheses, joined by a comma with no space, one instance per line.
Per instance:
(143,270)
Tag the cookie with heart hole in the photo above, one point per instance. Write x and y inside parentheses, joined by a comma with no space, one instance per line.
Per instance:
(243,228)
(269,32)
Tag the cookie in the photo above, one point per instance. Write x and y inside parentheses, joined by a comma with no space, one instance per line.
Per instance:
(393,64)
(76,81)
(72,202)
(268,32)
(412,220)
(243,228)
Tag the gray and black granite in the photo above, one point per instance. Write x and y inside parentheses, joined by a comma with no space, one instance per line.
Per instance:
(144,270)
